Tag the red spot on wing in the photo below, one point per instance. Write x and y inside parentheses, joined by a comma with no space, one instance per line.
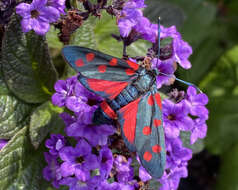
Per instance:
(157,122)
(130,72)
(113,62)
(129,115)
(90,56)
(156,148)
(102,68)
(147,156)
(158,100)
(133,65)
(146,130)
(79,63)
(111,88)
(108,110)
(150,100)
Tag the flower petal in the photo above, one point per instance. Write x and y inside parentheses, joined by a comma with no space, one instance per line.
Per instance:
(39,27)
(24,10)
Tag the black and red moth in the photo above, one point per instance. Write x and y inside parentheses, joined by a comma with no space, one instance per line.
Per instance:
(131,98)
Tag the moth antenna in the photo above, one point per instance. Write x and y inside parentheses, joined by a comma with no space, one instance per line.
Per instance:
(158,53)
(182,81)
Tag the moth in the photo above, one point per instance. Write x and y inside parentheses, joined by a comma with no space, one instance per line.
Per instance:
(131,98)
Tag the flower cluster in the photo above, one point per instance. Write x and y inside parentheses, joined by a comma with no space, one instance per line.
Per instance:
(189,114)
(39,14)
(90,163)
(86,159)
(132,22)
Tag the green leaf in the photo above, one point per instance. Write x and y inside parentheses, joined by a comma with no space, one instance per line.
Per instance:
(223,77)
(228,174)
(26,64)
(170,14)
(21,166)
(104,29)
(84,36)
(202,61)
(13,115)
(44,120)
(97,34)
(3,87)
(154,184)
(222,125)
(185,14)
(54,43)
(12,157)
(197,147)
(30,176)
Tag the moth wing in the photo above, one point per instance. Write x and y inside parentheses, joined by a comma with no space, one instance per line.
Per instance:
(127,122)
(94,64)
(100,73)
(149,135)
(142,130)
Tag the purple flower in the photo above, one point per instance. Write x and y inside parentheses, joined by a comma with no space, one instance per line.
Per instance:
(74,96)
(52,171)
(176,153)
(170,180)
(199,130)
(166,67)
(107,186)
(144,175)
(125,172)
(106,161)
(55,143)
(148,30)
(74,184)
(130,15)
(175,118)
(78,160)
(121,164)
(67,118)
(64,91)
(197,103)
(135,4)
(57,4)
(37,16)
(182,50)
(3,142)
(96,135)
(176,163)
